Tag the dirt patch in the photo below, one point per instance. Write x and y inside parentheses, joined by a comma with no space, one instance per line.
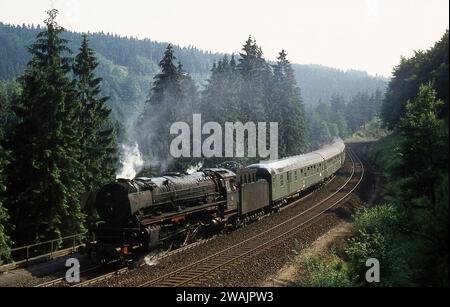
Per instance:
(324,244)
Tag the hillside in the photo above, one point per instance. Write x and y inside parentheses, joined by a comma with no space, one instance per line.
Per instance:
(128,66)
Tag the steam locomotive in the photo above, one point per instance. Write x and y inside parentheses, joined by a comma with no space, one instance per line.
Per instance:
(144,214)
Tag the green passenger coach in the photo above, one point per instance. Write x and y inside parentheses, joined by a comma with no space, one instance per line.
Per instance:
(290,176)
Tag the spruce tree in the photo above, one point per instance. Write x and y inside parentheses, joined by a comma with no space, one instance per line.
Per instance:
(160,111)
(220,98)
(287,108)
(98,145)
(44,186)
(256,76)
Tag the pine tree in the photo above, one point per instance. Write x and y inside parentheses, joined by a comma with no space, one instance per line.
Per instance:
(256,76)
(220,101)
(190,96)
(160,110)
(98,146)
(44,186)
(220,98)
(287,108)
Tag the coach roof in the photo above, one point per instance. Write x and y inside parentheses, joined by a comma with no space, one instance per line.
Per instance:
(301,161)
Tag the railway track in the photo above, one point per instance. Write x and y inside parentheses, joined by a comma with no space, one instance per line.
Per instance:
(61,280)
(200,271)
(93,275)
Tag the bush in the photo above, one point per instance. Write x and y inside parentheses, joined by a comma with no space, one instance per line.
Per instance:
(325,272)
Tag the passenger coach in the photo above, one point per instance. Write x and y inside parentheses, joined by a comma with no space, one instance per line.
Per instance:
(290,176)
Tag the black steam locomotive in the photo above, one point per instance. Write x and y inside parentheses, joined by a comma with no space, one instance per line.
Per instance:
(143,214)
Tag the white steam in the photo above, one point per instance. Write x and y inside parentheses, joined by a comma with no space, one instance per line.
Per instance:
(131,160)
(194,168)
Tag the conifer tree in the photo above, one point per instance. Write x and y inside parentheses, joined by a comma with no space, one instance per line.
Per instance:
(220,98)
(160,111)
(256,75)
(98,146)
(44,186)
(287,108)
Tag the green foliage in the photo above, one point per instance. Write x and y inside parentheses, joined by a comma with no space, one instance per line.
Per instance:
(235,92)
(97,134)
(9,94)
(44,187)
(5,241)
(424,146)
(324,272)
(127,66)
(376,230)
(371,131)
(255,73)
(341,118)
(173,97)
(98,146)
(422,68)
(410,236)
(253,90)
(286,108)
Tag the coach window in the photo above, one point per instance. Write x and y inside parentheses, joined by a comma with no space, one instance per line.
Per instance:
(295,176)
(281,180)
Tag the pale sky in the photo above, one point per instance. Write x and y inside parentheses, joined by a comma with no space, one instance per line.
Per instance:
(368,35)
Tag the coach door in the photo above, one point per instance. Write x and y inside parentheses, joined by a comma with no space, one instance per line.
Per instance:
(289,182)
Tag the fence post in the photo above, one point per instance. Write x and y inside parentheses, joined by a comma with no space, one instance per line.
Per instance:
(28,252)
(73,247)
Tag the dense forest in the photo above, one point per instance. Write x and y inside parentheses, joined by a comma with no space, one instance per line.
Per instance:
(128,65)
(409,232)
(248,89)
(343,118)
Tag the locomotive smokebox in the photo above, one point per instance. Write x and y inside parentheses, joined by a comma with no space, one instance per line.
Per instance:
(112,202)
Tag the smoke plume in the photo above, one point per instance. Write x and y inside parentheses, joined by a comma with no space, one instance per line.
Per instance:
(131,160)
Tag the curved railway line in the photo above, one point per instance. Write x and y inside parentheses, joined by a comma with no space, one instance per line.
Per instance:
(198,272)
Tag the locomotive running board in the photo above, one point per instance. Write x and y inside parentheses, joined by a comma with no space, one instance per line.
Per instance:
(164,217)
